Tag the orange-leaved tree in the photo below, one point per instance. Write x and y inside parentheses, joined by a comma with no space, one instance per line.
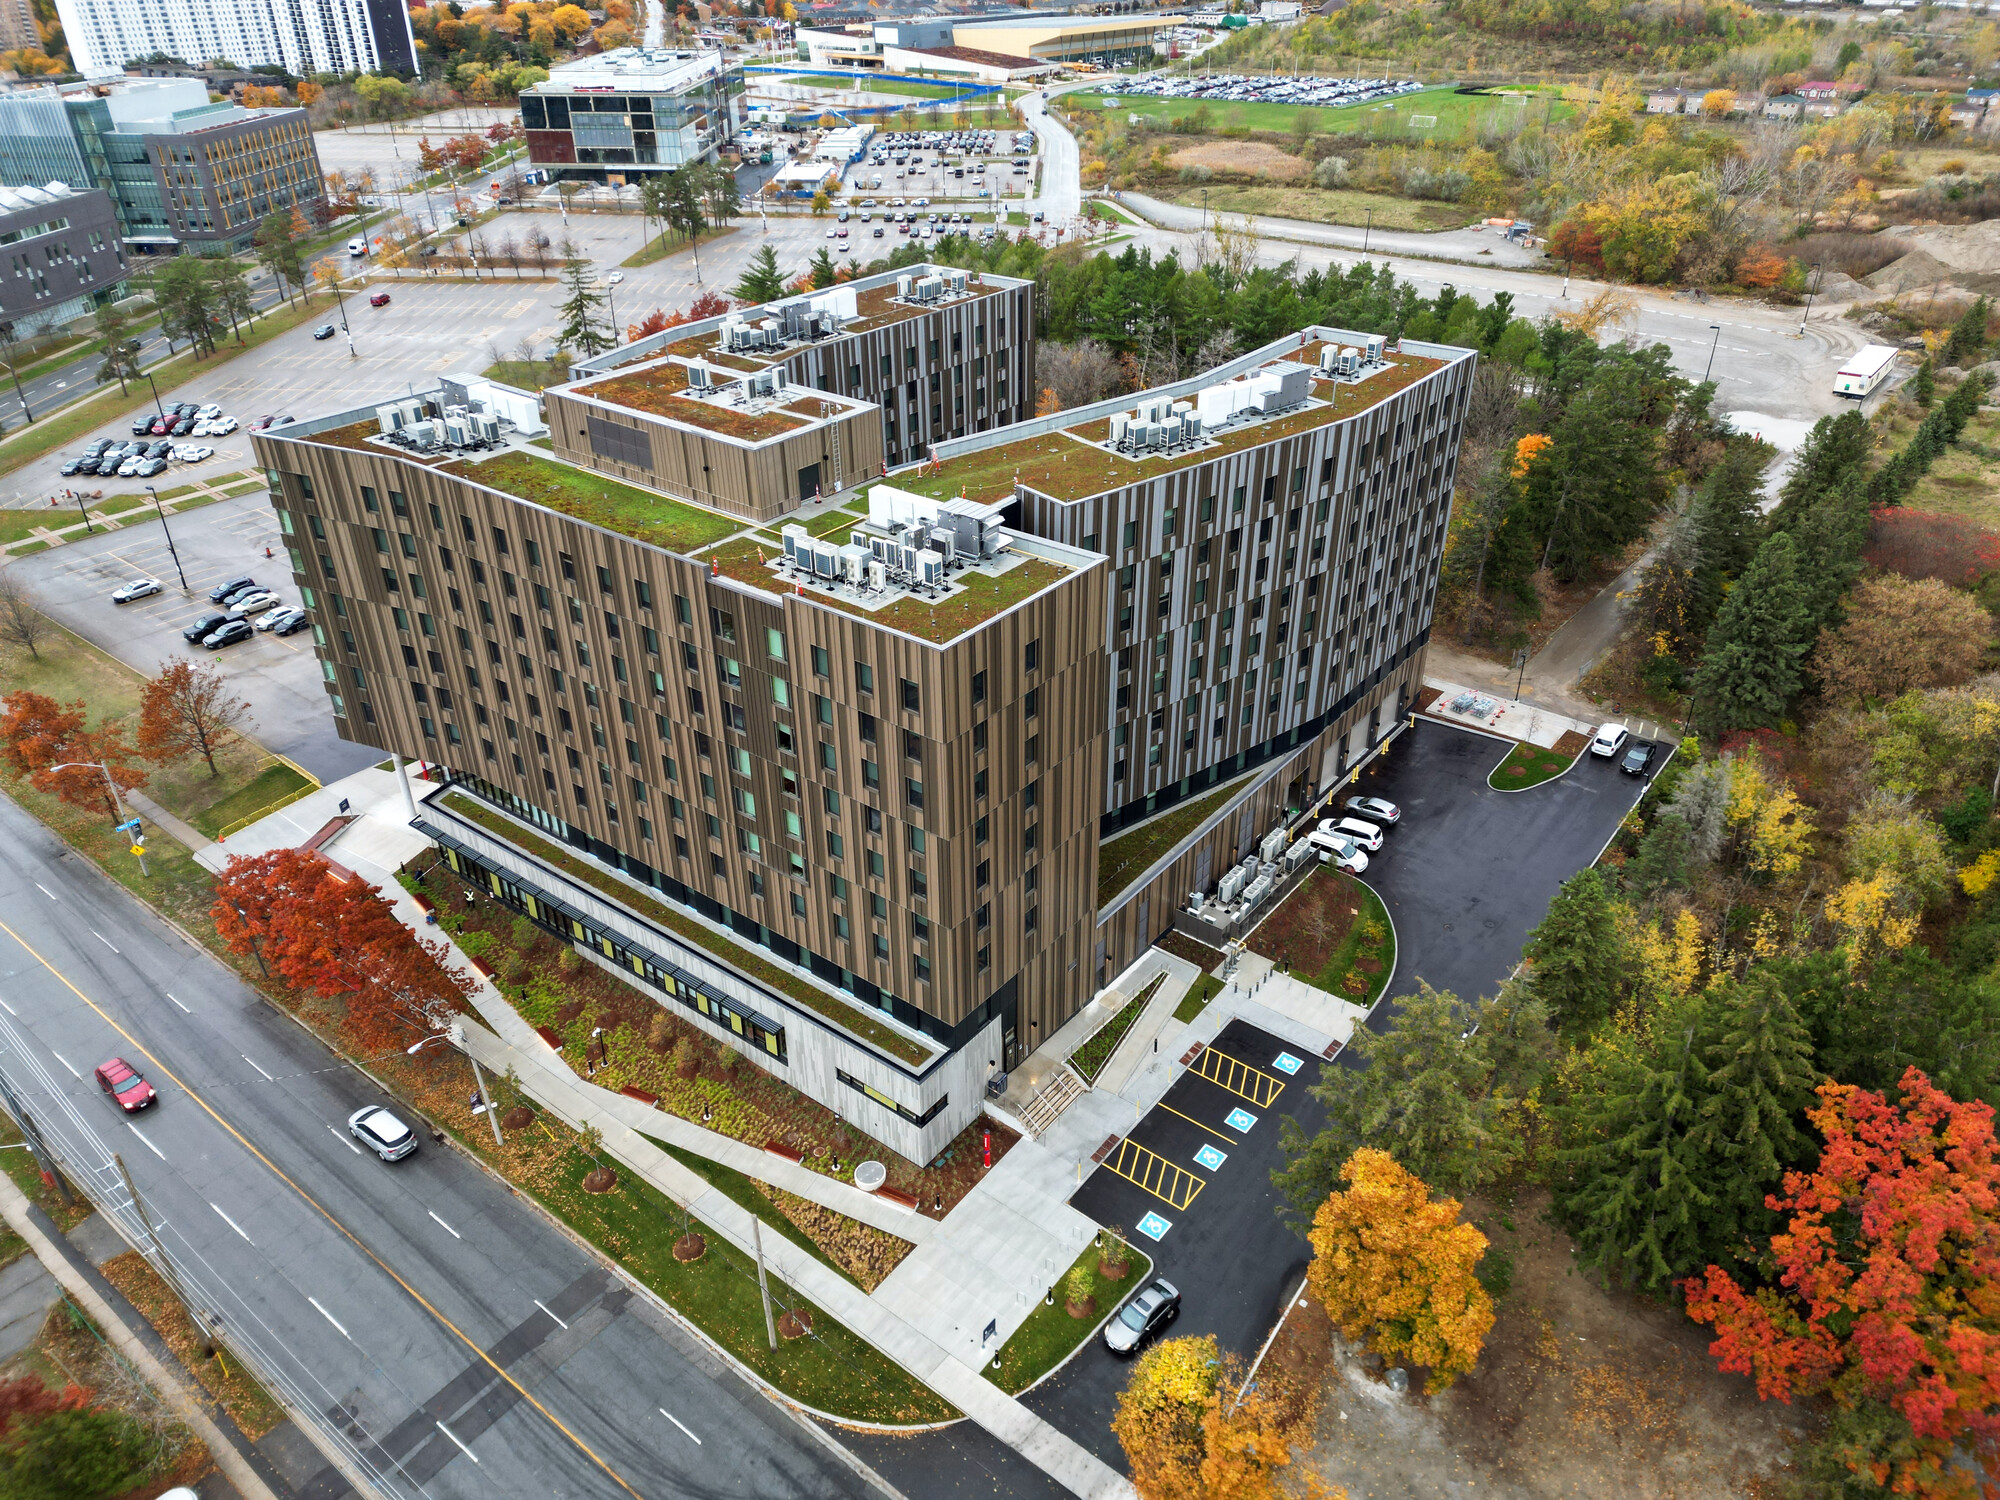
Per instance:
(1190,1430)
(331,932)
(38,735)
(1394,1264)
(1888,1295)
(189,710)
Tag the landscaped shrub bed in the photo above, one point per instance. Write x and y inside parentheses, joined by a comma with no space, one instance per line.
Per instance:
(1090,1058)
(1050,1333)
(1529,765)
(1199,954)
(646,1046)
(1333,933)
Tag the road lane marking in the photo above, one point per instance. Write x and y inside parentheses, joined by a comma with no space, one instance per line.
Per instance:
(143,1141)
(66,1063)
(10,1010)
(1200,1124)
(448,1229)
(176,999)
(345,1141)
(267,1077)
(46,891)
(331,1319)
(564,1326)
(103,939)
(680,1424)
(456,1443)
(1152,1173)
(478,1351)
(234,1225)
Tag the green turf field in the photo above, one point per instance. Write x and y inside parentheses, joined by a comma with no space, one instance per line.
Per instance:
(1456,115)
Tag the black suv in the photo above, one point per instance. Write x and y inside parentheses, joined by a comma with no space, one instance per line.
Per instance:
(210,622)
(229,586)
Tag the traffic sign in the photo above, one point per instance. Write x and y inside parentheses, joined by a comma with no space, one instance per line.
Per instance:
(130,825)
(139,849)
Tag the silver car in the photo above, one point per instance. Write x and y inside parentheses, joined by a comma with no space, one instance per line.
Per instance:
(1145,1315)
(382,1133)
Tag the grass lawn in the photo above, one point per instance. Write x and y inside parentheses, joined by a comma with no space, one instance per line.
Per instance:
(19,1163)
(1335,935)
(1315,205)
(1096,210)
(1120,861)
(1195,1001)
(661,247)
(75,423)
(223,1378)
(1458,116)
(671,524)
(526,374)
(834,522)
(265,792)
(1046,1339)
(1528,765)
(1090,1058)
(742,1191)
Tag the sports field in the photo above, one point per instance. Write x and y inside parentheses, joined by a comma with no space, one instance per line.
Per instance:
(1451,116)
(862,83)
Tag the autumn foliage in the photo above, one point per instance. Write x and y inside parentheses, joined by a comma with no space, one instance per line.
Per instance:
(1924,544)
(1889,1285)
(38,734)
(189,710)
(332,933)
(1394,1265)
(659,320)
(1191,1432)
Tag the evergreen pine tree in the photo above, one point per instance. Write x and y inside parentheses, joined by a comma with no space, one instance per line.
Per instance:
(581,299)
(1968,334)
(824,272)
(1576,954)
(1924,384)
(1833,447)
(762,280)
(1828,536)
(1728,519)
(1751,671)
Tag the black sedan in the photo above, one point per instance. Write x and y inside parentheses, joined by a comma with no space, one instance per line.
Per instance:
(205,626)
(1145,1315)
(227,634)
(1638,758)
(70,466)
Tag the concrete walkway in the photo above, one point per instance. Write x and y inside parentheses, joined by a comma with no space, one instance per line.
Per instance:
(1513,718)
(183,833)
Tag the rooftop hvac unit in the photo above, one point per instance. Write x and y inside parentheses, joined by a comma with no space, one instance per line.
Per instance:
(733,331)
(486,427)
(1248,866)
(994,542)
(457,431)
(1195,900)
(412,410)
(1257,889)
(458,410)
(1328,353)
(1171,429)
(860,539)
(1191,428)
(793,315)
(878,548)
(389,418)
(1298,854)
(878,576)
(698,379)
(423,434)
(1119,422)
(798,545)
(930,568)
(1350,361)
(903,284)
(1273,845)
(1374,346)
(929,288)
(778,381)
(944,539)
(854,563)
(958,283)
(1231,886)
(826,559)
(760,384)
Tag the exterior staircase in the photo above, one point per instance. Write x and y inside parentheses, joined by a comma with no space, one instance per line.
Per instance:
(1061,1091)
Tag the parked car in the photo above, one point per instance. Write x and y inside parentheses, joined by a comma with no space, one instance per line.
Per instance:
(1638,758)
(1333,849)
(1355,830)
(206,625)
(129,467)
(138,588)
(193,453)
(148,467)
(1609,740)
(325,331)
(262,422)
(210,410)
(382,1133)
(277,618)
(253,603)
(380,299)
(161,426)
(182,427)
(186,409)
(70,466)
(95,447)
(122,1082)
(1145,1315)
(1374,809)
(229,586)
(222,427)
(141,425)
(227,634)
(231,600)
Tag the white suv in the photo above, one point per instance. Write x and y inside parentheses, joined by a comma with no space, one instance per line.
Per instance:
(1609,740)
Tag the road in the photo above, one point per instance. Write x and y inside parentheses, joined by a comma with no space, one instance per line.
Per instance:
(463,1346)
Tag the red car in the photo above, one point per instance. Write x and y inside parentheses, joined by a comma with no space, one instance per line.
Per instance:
(380,299)
(131,1092)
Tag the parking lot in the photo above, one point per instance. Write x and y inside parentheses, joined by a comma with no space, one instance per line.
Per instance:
(1190,1184)
(1243,88)
(276,674)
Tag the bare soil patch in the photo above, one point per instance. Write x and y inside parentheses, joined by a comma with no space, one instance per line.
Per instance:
(1580,1391)
(1251,158)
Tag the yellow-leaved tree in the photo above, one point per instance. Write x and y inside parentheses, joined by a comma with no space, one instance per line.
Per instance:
(1394,1265)
(1191,1432)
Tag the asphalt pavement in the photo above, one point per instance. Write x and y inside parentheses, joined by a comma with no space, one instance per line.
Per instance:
(388,1298)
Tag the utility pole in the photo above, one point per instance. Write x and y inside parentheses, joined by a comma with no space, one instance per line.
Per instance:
(37,1148)
(492,1104)
(763,1286)
(166,1266)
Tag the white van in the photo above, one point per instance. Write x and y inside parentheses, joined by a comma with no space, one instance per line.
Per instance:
(357,246)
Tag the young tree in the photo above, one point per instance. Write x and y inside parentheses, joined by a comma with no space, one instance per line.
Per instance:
(230,286)
(1576,958)
(189,710)
(1751,671)
(1729,520)
(1391,1264)
(762,281)
(278,252)
(1835,448)
(38,735)
(1190,1431)
(580,330)
(76,1451)
(1968,334)
(1923,385)
(1435,1090)
(186,299)
(22,622)
(824,272)
(1887,1297)
(1901,635)
(121,363)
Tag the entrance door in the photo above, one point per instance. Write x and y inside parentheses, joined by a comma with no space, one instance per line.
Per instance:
(809,482)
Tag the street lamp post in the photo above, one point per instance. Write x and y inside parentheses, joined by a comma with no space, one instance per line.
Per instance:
(340,302)
(492,1105)
(7,330)
(1716,329)
(117,805)
(1367,231)
(167,532)
(1567,263)
(159,407)
(1812,285)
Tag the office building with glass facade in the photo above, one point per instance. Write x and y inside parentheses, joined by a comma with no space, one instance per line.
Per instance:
(620,115)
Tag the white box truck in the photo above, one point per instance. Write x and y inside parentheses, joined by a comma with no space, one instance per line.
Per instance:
(1864,370)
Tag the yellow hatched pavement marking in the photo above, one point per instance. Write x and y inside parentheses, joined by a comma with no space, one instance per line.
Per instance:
(1242,1080)
(1172,1185)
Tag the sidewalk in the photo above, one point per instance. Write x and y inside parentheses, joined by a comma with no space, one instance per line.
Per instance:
(184,833)
(1495,713)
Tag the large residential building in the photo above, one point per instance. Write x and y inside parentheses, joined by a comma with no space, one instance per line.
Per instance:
(334,36)
(180,168)
(831,782)
(621,115)
(63,256)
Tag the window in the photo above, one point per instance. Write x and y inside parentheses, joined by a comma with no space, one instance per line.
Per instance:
(864,677)
(774,644)
(1030,702)
(979,687)
(1031,657)
(822,663)
(912,702)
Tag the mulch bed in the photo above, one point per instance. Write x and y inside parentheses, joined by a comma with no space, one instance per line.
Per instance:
(1199,954)
(1573,743)
(690,1247)
(1311,924)
(795,1324)
(599,1180)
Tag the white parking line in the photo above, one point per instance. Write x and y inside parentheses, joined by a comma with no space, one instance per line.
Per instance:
(559,1321)
(455,1443)
(447,1228)
(331,1319)
(66,1063)
(679,1423)
(104,940)
(233,1225)
(176,999)
(46,891)
(267,1077)
(10,1010)
(149,1145)
(345,1141)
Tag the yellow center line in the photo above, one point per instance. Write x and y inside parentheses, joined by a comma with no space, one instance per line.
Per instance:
(1233,1140)
(324,1213)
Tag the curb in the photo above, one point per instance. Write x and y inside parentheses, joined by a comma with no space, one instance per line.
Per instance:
(1083,1343)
